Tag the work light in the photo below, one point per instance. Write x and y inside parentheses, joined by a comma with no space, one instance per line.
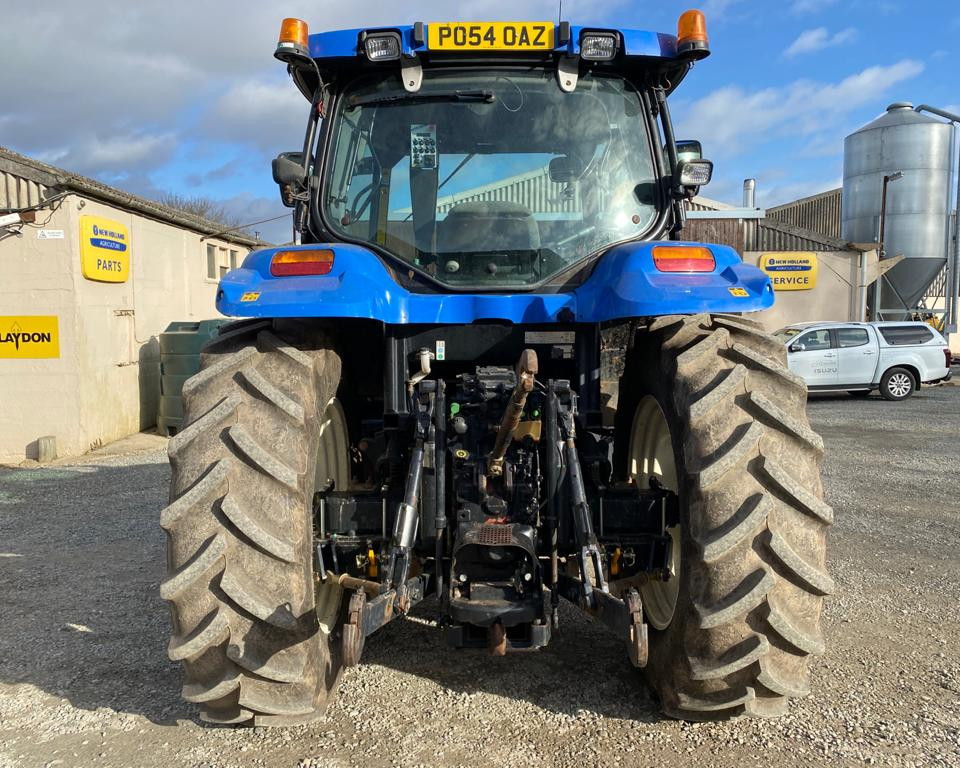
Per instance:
(695,173)
(382,46)
(598,46)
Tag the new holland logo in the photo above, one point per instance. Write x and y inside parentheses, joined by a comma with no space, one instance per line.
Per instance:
(29,337)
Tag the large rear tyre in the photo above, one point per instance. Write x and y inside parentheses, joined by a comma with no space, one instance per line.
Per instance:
(733,632)
(251,623)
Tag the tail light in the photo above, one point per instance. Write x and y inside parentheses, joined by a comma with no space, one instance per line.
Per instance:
(294,263)
(683,258)
(948,355)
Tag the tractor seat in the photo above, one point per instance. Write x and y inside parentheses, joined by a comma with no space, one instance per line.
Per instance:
(487,226)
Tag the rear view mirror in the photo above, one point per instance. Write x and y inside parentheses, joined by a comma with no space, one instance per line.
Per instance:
(688,149)
(290,174)
(798,347)
(565,169)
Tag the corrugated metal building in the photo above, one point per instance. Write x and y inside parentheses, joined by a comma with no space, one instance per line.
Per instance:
(532,189)
(818,213)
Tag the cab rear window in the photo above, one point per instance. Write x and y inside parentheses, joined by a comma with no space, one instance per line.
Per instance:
(901,335)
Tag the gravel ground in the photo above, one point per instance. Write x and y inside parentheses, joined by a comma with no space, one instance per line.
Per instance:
(84,678)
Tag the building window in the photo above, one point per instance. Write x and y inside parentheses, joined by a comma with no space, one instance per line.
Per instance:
(233,260)
(211,262)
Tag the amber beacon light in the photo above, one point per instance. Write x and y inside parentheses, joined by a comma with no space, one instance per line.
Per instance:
(293,34)
(692,41)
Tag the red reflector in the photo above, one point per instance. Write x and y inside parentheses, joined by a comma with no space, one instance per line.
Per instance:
(292,263)
(683,258)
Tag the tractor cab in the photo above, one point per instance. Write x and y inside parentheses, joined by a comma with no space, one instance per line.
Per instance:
(489,156)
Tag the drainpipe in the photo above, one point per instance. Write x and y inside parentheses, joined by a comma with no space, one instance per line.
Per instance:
(862,317)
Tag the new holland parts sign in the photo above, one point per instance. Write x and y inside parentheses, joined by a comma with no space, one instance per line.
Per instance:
(104,250)
(790,270)
(29,337)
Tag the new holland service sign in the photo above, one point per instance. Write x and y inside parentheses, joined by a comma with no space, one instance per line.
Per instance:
(29,337)
(104,250)
(790,271)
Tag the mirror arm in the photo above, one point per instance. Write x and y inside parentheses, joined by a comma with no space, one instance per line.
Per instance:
(679,213)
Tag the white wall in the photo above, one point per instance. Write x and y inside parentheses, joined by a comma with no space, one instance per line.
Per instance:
(105,384)
(835,297)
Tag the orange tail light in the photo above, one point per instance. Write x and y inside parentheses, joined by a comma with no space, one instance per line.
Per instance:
(683,258)
(294,263)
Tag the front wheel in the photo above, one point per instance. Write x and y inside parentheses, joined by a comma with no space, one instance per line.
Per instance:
(897,384)
(709,408)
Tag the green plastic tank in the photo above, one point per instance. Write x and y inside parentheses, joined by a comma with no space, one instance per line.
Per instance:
(180,346)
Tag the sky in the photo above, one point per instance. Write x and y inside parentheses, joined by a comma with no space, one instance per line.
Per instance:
(186,97)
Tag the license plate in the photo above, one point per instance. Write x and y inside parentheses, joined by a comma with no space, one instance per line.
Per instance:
(490,36)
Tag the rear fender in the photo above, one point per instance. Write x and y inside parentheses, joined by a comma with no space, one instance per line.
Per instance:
(624,283)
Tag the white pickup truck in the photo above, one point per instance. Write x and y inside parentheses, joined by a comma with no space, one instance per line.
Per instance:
(893,357)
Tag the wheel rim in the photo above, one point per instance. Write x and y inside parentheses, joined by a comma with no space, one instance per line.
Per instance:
(333,454)
(333,464)
(899,385)
(651,454)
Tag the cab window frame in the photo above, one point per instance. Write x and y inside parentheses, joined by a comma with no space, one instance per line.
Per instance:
(577,271)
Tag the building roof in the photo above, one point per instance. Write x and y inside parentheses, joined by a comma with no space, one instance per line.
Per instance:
(60,180)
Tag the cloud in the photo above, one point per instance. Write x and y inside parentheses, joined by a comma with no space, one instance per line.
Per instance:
(817,39)
(732,118)
(807,7)
(265,112)
(714,9)
(94,156)
(111,90)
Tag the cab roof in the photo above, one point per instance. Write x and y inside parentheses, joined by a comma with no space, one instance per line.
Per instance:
(345,43)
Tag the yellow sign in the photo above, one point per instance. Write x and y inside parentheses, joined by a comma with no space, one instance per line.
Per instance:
(740,293)
(790,271)
(490,36)
(250,296)
(104,250)
(29,337)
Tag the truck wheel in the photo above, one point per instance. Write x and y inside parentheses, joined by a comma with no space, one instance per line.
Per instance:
(251,623)
(897,384)
(711,410)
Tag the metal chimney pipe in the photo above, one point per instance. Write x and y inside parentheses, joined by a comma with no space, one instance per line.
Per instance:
(749,193)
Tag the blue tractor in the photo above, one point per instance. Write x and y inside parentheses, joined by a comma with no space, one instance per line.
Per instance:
(488,371)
